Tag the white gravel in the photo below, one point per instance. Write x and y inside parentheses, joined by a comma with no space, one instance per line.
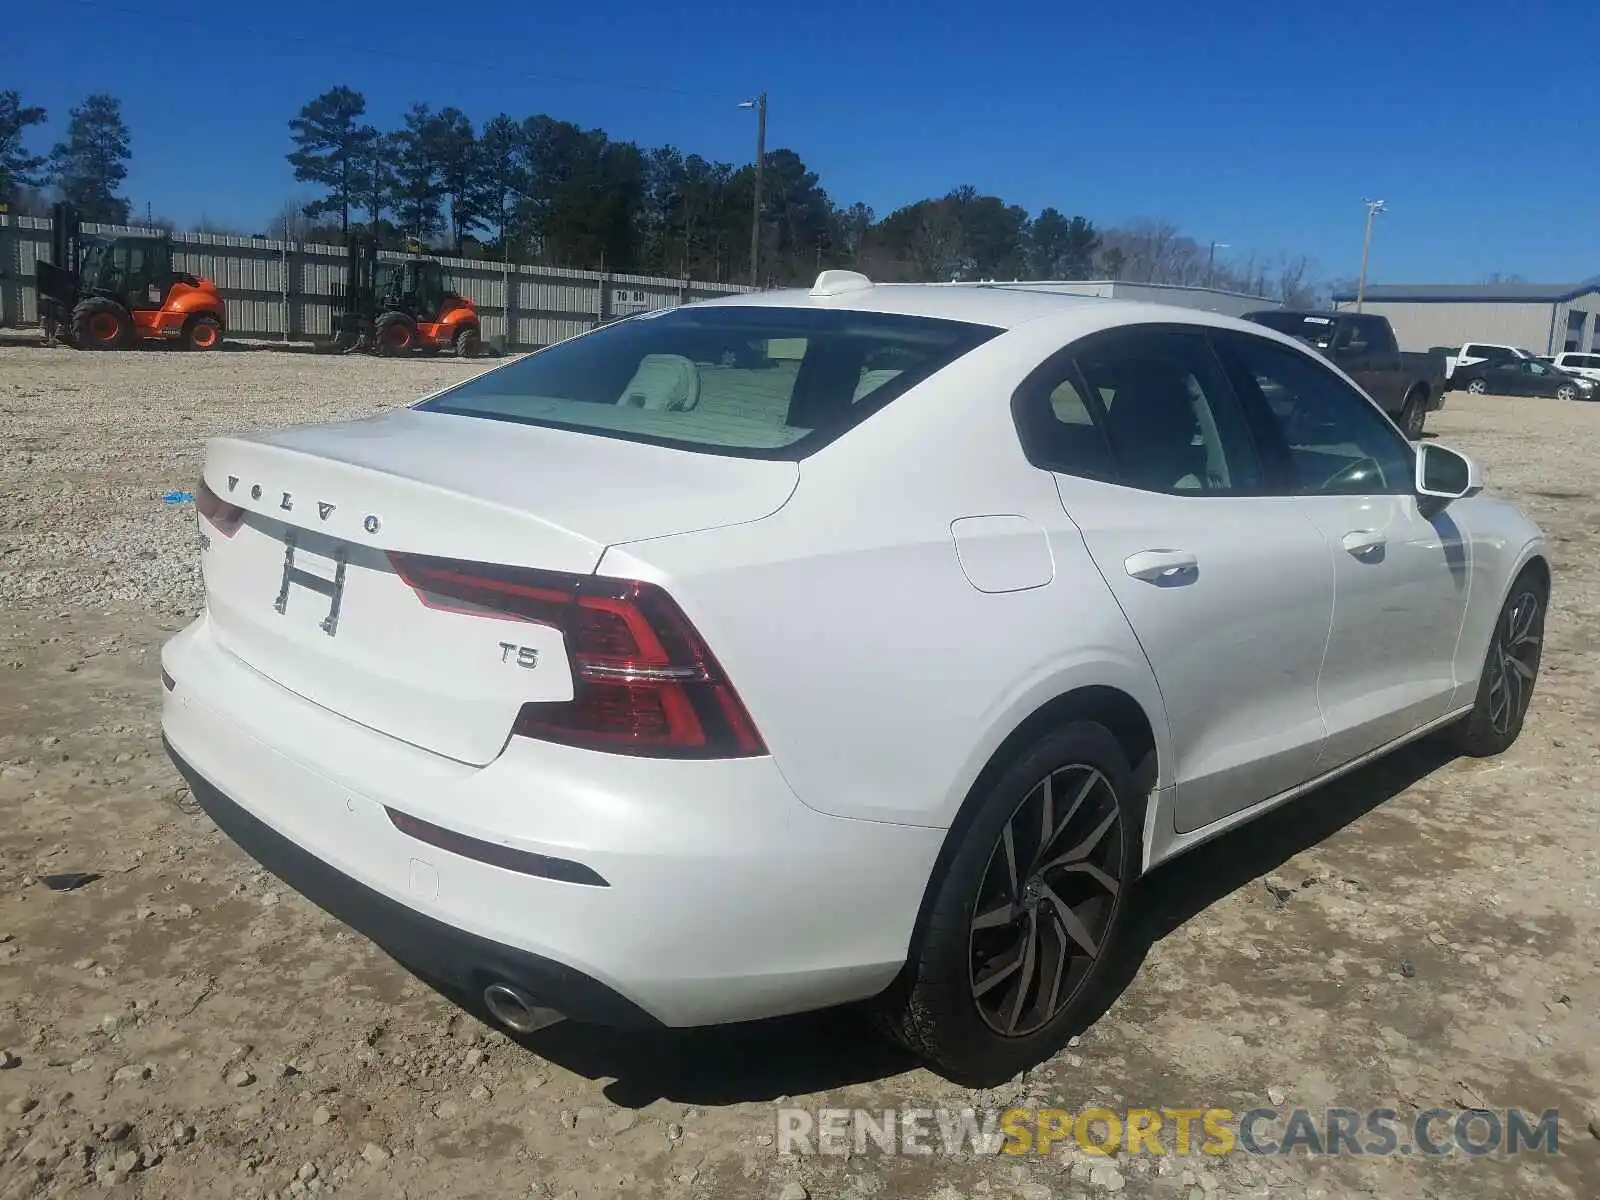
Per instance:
(83,524)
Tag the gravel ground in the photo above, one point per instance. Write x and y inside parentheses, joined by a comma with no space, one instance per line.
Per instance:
(1422,933)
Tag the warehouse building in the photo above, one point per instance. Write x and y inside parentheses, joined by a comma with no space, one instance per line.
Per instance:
(1545,318)
(1217,300)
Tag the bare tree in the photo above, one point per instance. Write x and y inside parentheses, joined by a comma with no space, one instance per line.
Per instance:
(1294,290)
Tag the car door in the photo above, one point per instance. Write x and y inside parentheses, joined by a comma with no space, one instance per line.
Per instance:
(1543,380)
(1400,567)
(1513,378)
(1228,588)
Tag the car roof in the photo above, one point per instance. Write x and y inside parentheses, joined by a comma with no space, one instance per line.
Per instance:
(998,305)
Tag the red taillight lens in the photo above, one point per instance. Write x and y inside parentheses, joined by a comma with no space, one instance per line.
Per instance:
(224,517)
(644,681)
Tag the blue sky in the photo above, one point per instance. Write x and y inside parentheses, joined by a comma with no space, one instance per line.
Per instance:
(1262,125)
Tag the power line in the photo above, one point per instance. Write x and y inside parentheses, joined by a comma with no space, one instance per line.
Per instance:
(261,33)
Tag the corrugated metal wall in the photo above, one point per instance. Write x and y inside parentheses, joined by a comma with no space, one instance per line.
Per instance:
(1232,304)
(1418,325)
(1585,336)
(285,290)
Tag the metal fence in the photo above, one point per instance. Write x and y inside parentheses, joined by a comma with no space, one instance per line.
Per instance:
(285,290)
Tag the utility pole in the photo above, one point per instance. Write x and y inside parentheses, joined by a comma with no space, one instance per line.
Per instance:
(1374,207)
(760,105)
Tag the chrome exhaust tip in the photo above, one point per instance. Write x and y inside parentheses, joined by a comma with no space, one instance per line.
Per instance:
(517,1010)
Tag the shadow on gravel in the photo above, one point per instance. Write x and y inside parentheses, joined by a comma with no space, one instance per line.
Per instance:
(794,1056)
(1186,886)
(753,1062)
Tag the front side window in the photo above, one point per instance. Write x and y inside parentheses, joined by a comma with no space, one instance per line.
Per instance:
(757,381)
(1337,443)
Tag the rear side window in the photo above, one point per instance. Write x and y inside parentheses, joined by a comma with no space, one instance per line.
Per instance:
(1144,407)
(756,381)
(1376,333)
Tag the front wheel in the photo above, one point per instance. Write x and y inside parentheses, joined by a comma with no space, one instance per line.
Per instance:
(1566,392)
(395,333)
(1477,387)
(1023,919)
(1510,670)
(101,324)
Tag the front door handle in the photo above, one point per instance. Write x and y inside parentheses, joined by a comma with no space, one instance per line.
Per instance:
(1362,542)
(1161,566)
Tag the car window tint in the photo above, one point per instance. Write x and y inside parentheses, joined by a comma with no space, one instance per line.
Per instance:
(757,381)
(1067,405)
(1337,442)
(1060,430)
(1170,420)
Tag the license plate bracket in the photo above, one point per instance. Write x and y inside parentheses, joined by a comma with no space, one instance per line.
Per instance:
(294,575)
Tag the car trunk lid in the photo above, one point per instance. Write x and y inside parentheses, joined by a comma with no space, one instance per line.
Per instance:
(304,590)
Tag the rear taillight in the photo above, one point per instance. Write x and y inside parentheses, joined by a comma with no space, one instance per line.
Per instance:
(224,517)
(644,681)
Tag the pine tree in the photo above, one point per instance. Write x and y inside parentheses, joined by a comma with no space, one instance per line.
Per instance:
(330,141)
(92,163)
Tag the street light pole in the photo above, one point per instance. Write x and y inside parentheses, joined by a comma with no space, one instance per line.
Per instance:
(760,105)
(1374,207)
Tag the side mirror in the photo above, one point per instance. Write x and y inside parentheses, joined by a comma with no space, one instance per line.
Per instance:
(1445,474)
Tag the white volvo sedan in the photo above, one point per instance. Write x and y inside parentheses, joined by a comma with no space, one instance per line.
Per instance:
(859,643)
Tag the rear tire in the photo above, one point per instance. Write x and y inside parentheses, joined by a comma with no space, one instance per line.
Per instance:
(467,343)
(1020,924)
(1414,414)
(1510,670)
(101,324)
(394,334)
(1477,387)
(202,333)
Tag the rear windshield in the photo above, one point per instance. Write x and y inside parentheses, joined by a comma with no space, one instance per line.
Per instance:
(749,380)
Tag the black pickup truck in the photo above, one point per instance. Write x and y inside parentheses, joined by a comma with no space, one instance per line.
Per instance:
(1407,385)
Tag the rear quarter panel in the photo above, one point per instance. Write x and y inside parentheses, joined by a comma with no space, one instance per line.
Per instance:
(881,679)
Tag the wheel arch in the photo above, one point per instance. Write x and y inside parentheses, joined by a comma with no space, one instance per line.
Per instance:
(1539,564)
(1123,715)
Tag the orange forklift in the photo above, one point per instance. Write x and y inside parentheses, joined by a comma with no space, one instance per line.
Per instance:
(395,308)
(113,293)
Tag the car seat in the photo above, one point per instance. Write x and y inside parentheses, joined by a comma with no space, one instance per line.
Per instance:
(1151,422)
(668,382)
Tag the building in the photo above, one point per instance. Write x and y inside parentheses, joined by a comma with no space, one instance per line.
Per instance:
(1233,304)
(1545,318)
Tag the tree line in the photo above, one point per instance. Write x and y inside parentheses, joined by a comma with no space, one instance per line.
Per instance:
(86,167)
(543,190)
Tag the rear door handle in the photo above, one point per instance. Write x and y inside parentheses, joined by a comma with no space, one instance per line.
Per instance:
(1361,542)
(1156,566)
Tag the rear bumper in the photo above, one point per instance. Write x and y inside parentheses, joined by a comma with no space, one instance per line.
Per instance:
(441,950)
(721,897)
